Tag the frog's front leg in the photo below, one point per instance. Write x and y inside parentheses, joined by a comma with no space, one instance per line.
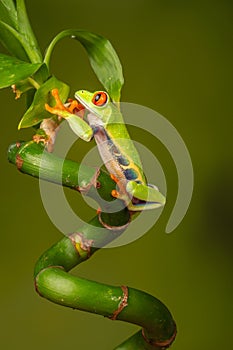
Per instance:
(77,124)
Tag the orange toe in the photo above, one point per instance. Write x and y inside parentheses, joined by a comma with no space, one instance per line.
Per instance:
(115,194)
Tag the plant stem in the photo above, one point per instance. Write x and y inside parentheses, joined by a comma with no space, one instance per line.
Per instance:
(53,283)
(33,83)
(51,278)
(32,158)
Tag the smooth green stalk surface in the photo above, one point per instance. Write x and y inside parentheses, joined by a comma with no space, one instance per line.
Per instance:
(52,280)
(32,158)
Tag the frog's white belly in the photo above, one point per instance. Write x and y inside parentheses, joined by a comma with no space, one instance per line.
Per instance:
(110,155)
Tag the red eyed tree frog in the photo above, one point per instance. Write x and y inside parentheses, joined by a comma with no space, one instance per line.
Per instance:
(105,123)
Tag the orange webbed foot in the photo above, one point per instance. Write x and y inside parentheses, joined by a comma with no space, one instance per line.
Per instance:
(74,107)
(59,106)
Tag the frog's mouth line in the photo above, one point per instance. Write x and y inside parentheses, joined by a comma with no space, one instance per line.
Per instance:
(141,202)
(88,108)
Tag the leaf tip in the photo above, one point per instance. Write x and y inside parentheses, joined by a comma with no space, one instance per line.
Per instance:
(20,124)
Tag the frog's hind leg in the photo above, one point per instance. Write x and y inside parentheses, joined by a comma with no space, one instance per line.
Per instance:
(121,192)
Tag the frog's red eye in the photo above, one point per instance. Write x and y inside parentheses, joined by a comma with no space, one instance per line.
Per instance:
(100,99)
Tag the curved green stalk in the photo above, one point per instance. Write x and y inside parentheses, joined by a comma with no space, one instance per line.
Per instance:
(48,53)
(31,158)
(52,280)
(121,303)
(33,83)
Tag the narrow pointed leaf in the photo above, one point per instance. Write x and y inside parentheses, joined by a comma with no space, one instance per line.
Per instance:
(8,12)
(104,62)
(102,56)
(13,70)
(25,29)
(12,41)
(36,112)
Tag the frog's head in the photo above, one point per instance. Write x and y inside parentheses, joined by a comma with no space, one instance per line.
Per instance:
(97,103)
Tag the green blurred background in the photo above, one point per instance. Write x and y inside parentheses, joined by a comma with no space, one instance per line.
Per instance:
(177,59)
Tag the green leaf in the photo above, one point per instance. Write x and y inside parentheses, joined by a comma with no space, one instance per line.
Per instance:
(8,12)
(42,74)
(16,33)
(13,70)
(102,56)
(12,41)
(36,112)
(25,29)
(104,62)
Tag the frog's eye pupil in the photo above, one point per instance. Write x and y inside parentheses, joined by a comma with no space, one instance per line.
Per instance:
(97,97)
(100,99)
